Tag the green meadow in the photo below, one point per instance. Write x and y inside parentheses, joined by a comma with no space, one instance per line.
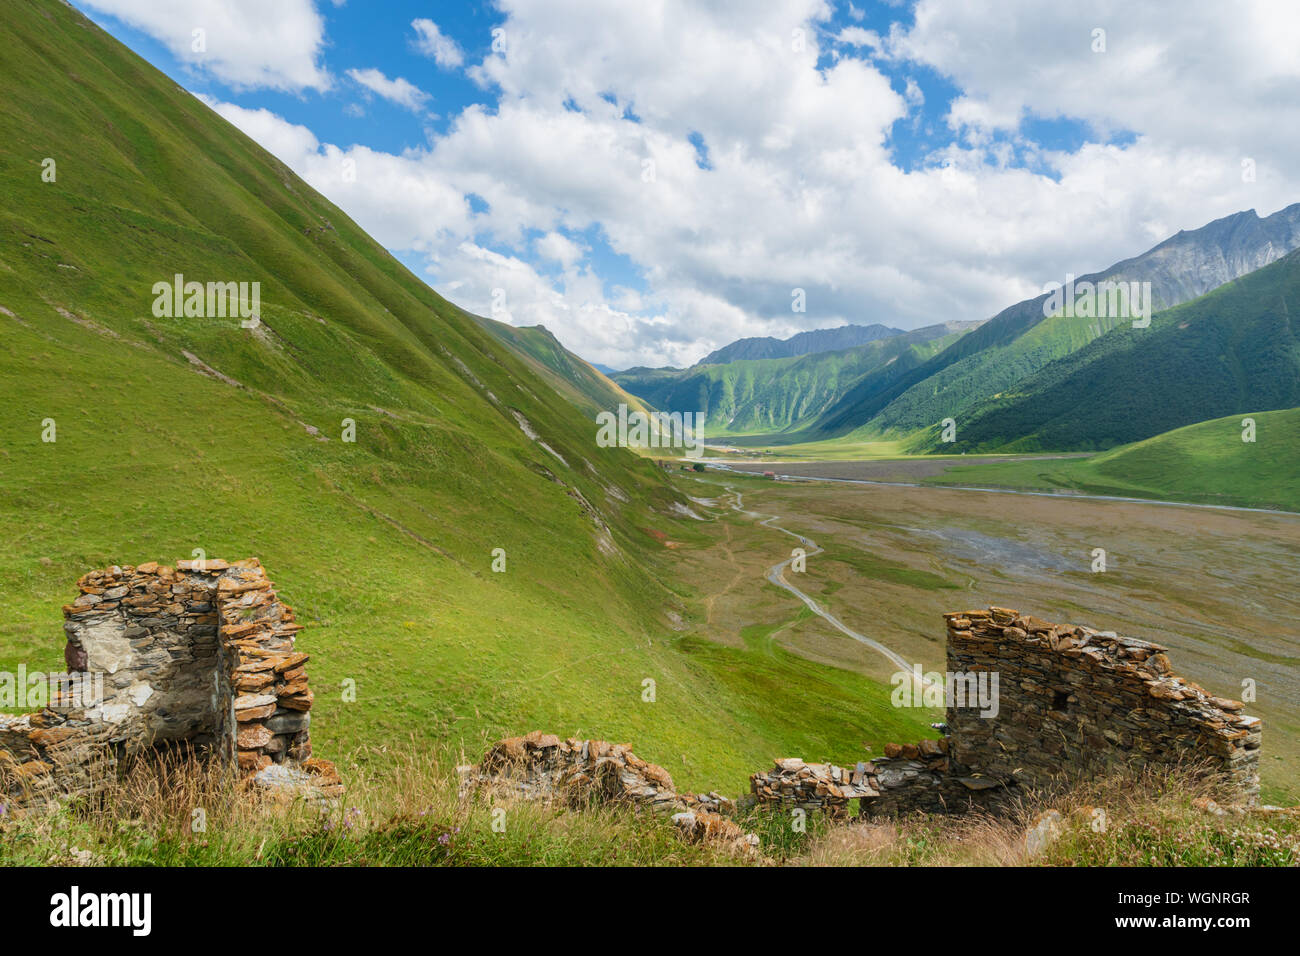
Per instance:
(1206,463)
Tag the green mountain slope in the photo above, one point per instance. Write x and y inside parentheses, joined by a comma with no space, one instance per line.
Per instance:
(176,434)
(577,380)
(1019,341)
(1207,463)
(1232,351)
(764,396)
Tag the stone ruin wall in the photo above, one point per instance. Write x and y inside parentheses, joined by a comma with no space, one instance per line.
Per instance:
(1078,699)
(1072,701)
(201,654)
(540,766)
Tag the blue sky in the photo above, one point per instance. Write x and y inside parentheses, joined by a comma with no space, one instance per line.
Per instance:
(891,159)
(359,36)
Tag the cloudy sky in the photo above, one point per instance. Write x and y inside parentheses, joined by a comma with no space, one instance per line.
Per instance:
(653,179)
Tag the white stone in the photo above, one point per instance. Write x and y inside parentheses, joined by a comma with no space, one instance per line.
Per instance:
(116,713)
(139,693)
(1044,832)
(106,644)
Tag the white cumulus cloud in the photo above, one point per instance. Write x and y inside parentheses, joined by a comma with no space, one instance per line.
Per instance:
(432,42)
(245,43)
(397,90)
(594,109)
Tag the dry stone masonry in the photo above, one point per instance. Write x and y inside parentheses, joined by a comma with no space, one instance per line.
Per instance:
(1072,701)
(924,776)
(813,786)
(541,766)
(200,654)
(1079,699)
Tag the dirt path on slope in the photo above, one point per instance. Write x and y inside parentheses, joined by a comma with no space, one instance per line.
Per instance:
(711,600)
(776,574)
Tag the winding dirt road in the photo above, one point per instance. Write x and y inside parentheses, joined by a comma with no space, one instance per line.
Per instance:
(776,574)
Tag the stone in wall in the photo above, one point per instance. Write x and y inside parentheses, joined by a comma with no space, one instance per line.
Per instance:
(542,766)
(924,777)
(792,783)
(909,777)
(43,757)
(272,702)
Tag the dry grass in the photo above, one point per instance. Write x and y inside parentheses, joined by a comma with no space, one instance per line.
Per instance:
(402,808)
(1135,818)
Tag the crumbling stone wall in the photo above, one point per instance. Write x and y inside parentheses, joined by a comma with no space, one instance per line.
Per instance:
(791,784)
(541,766)
(201,654)
(909,777)
(1071,701)
(1075,700)
(913,777)
(43,756)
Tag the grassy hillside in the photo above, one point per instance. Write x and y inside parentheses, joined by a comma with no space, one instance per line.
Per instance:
(1206,463)
(765,396)
(180,433)
(571,376)
(1231,351)
(947,384)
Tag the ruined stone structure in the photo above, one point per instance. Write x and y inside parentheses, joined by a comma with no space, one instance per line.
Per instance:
(541,766)
(1071,701)
(813,786)
(918,776)
(1073,698)
(200,655)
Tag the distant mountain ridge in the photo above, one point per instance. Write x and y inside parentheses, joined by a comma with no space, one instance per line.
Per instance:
(583,383)
(1020,340)
(750,396)
(803,343)
(1232,351)
(1189,264)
